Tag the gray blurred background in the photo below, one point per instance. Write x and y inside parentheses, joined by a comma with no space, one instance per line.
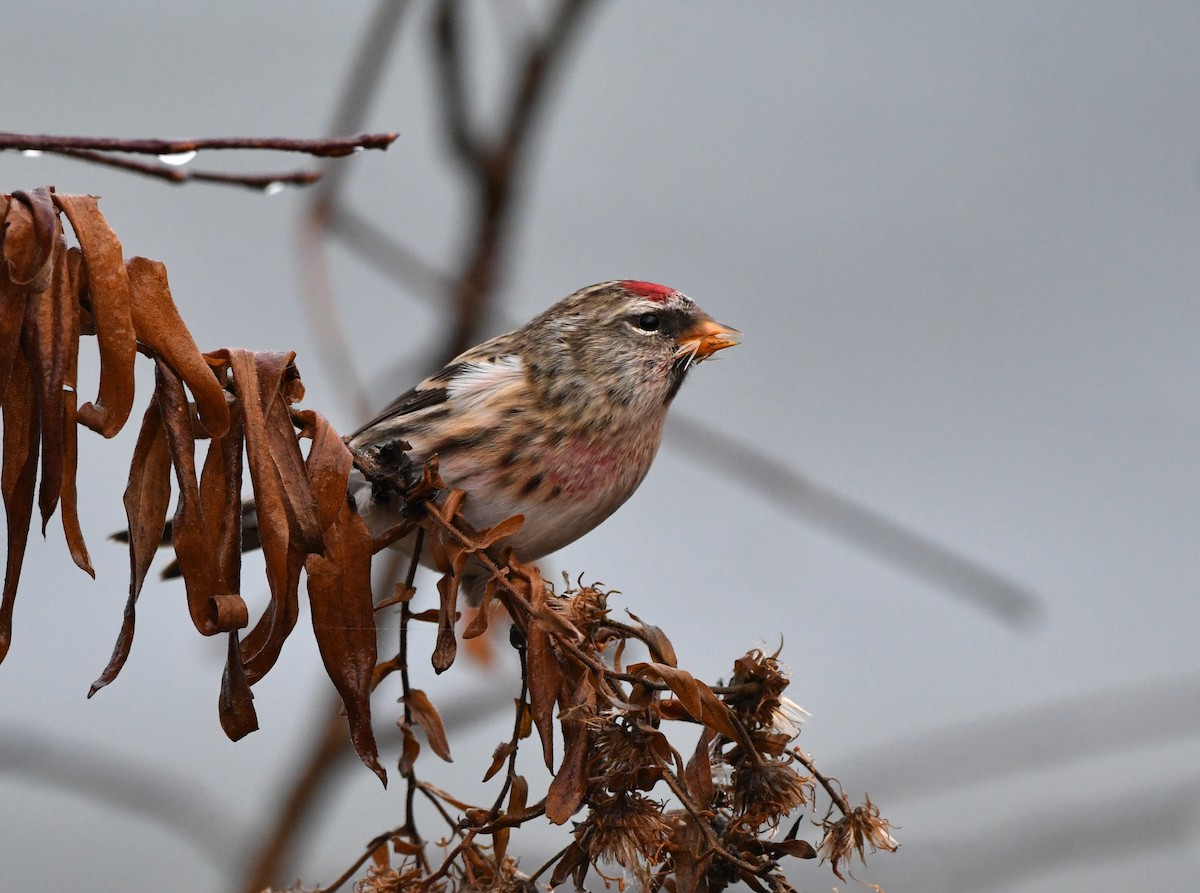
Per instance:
(961,241)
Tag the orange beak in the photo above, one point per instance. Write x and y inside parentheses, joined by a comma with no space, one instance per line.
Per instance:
(705,337)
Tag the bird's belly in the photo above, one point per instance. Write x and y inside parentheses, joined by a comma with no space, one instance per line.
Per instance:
(576,485)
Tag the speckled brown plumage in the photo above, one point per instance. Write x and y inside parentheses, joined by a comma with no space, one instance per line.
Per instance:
(559,420)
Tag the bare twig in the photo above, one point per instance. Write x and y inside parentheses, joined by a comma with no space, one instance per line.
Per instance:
(322,148)
(263,182)
(295,809)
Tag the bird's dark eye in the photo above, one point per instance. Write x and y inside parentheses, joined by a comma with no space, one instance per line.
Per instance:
(649,322)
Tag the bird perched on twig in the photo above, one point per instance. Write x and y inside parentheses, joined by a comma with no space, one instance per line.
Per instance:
(558,421)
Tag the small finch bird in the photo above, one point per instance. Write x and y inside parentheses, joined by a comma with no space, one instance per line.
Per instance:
(558,421)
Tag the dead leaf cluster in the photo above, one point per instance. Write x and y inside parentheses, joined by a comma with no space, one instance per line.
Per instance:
(237,401)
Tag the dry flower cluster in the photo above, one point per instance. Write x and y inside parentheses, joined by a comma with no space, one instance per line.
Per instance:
(695,824)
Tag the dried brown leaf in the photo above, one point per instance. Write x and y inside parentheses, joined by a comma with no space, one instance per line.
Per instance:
(489,536)
(235,706)
(499,757)
(656,640)
(799,849)
(279,386)
(574,863)
(17,479)
(339,586)
(29,239)
(567,791)
(221,505)
(159,326)
(446,646)
(12,319)
(192,537)
(411,750)
(545,677)
(427,717)
(147,496)
(697,698)
(48,328)
(542,668)
(698,775)
(69,497)
(518,796)
(70,502)
(261,647)
(108,288)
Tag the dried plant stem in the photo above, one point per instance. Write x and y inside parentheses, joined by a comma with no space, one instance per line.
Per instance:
(410,777)
(498,805)
(376,842)
(546,865)
(835,793)
(705,826)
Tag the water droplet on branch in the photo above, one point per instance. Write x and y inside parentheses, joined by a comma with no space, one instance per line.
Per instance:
(177,159)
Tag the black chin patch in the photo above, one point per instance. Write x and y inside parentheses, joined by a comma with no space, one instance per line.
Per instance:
(679,371)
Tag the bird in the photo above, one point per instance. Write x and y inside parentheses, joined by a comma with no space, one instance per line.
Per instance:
(558,421)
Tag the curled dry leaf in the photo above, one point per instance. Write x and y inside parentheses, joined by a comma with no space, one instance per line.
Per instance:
(567,791)
(427,717)
(160,327)
(696,697)
(111,305)
(30,237)
(235,706)
(254,374)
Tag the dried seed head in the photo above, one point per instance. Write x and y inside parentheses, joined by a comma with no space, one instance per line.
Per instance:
(625,755)
(853,832)
(384,879)
(584,607)
(769,791)
(758,708)
(629,830)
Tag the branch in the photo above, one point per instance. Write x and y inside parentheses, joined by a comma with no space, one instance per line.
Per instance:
(321,148)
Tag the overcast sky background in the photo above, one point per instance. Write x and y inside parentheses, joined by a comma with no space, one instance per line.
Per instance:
(961,241)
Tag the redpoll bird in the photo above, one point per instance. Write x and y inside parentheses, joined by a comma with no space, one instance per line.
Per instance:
(558,421)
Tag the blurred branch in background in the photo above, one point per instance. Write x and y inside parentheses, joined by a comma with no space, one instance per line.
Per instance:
(326,760)
(1084,833)
(493,169)
(1032,738)
(857,524)
(111,781)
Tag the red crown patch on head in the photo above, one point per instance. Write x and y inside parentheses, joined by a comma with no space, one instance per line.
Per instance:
(648,290)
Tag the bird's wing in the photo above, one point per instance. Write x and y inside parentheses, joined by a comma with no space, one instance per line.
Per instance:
(473,378)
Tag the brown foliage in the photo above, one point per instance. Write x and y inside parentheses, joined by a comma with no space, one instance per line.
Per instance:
(730,796)
(238,401)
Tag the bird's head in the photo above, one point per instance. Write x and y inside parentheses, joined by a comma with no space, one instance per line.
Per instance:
(627,344)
